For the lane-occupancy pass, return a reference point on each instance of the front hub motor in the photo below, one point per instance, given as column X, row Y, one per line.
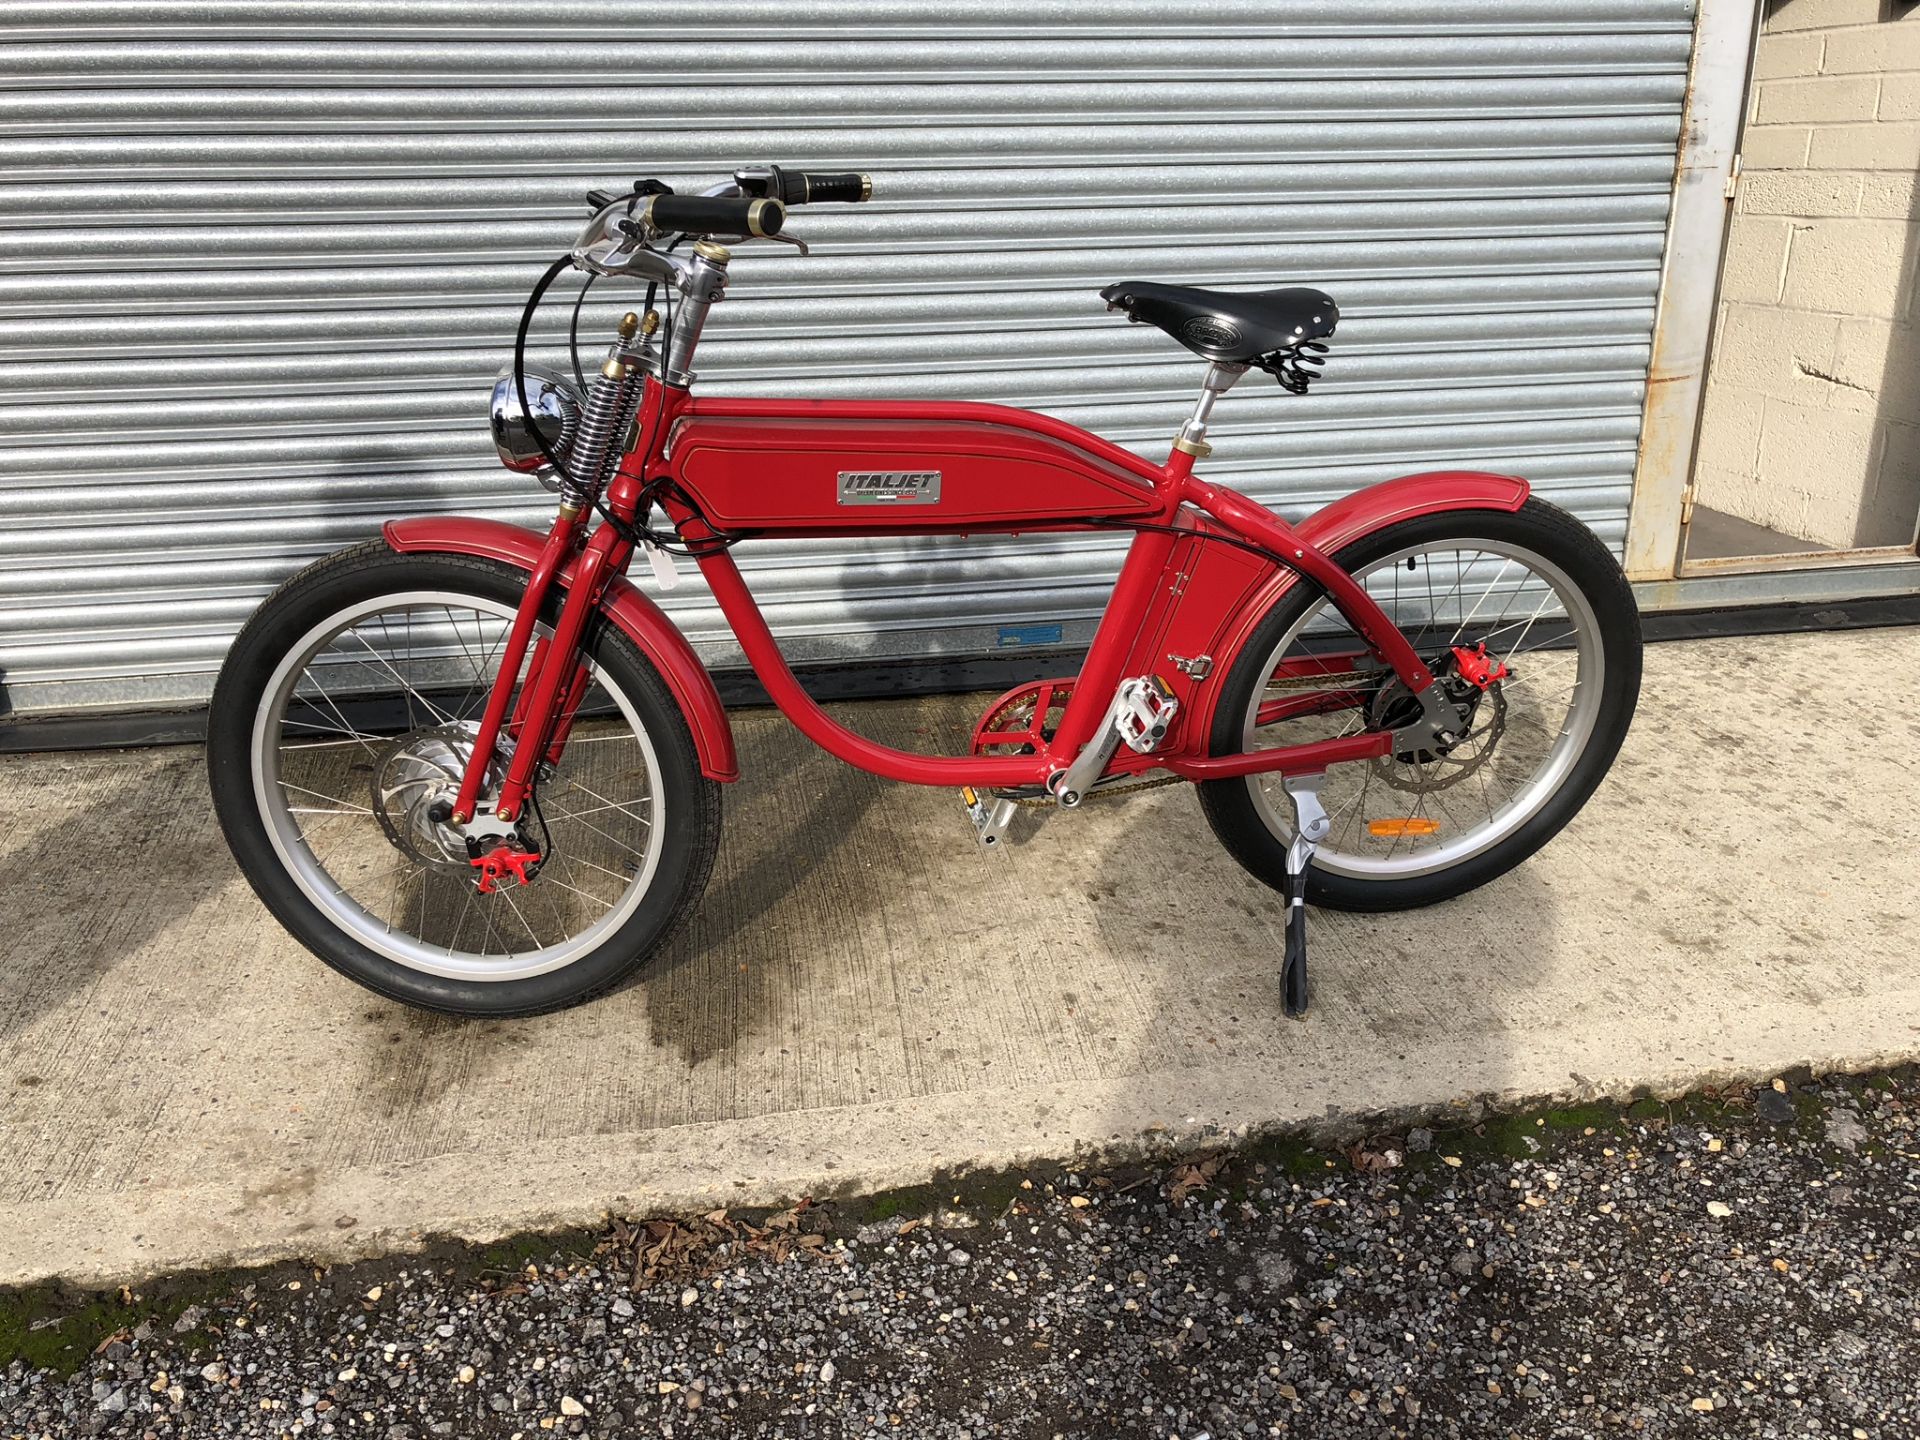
column 416, row 779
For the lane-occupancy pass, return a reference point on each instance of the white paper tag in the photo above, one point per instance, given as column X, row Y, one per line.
column 665, row 572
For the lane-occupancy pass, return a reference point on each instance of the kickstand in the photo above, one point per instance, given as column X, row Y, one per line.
column 1310, row 826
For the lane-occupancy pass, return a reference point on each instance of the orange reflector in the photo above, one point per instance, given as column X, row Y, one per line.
column 1403, row 826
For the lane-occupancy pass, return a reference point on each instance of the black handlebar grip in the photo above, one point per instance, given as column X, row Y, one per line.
column 714, row 214
column 806, row 187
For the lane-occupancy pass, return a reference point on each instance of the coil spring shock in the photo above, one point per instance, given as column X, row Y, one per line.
column 603, row 420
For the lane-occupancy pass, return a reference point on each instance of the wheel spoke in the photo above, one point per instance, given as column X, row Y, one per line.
column 1517, row 748
column 345, row 729
column 1460, row 629
column 603, row 904
column 349, row 808
column 347, row 803
column 505, row 892
column 605, row 804
column 440, row 716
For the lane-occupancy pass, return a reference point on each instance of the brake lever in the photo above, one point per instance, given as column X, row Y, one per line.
column 793, row 240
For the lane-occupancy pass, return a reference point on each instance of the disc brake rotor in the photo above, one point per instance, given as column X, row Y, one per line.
column 409, row 775
column 1420, row 771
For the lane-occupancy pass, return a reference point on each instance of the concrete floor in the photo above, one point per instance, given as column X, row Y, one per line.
column 866, row 999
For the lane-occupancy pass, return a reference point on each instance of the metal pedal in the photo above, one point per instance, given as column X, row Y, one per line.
column 1146, row 709
column 1142, row 709
column 990, row 815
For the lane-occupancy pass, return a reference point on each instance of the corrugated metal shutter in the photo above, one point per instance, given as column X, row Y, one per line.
column 258, row 265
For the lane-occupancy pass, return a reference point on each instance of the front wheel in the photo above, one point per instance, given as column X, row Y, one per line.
column 1526, row 617
column 339, row 731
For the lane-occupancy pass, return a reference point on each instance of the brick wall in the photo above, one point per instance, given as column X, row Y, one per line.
column 1811, row 423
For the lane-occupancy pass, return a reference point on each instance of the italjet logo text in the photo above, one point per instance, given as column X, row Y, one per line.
column 889, row 487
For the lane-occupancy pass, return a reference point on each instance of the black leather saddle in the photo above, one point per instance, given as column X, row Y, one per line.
column 1278, row 331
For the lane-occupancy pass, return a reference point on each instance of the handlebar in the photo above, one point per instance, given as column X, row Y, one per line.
column 731, row 212
column 804, row 187
column 619, row 239
column 713, row 214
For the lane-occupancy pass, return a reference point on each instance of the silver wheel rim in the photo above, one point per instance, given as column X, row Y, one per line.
column 1535, row 619
column 530, row 937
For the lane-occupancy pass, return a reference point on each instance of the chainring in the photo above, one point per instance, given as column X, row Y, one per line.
column 1023, row 719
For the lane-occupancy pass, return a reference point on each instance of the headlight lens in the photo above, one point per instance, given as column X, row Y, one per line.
column 556, row 413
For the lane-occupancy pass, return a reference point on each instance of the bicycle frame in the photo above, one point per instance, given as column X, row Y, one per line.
column 1204, row 565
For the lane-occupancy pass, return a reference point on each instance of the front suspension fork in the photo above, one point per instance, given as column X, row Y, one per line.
column 556, row 686
column 556, row 680
column 559, row 544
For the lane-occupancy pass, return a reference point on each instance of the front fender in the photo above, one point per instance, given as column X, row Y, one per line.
column 1351, row 518
column 642, row 621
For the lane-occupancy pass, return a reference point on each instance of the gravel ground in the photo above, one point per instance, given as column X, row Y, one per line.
column 1746, row 1263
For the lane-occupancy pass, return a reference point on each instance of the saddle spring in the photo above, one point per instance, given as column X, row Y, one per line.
column 1289, row 365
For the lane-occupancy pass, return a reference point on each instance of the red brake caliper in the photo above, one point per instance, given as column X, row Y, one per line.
column 1477, row 667
column 500, row 862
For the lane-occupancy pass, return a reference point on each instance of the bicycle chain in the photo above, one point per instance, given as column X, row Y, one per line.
column 1347, row 680
column 1337, row 680
column 1043, row 802
column 1340, row 680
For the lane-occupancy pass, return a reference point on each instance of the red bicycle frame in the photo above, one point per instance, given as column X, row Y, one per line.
column 1204, row 565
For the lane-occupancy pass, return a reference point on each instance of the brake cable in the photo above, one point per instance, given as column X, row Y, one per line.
column 573, row 328
column 636, row 535
column 520, row 364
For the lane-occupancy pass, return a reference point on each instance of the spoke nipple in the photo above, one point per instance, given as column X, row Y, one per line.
column 461, row 817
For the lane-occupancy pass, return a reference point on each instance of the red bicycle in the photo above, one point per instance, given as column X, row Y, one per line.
column 477, row 770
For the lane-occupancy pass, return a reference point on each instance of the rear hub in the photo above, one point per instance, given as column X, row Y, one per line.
column 1469, row 679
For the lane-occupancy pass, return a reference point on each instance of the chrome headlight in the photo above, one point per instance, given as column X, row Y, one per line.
column 556, row 414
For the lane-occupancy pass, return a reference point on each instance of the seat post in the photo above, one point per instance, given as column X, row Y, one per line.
column 1192, row 439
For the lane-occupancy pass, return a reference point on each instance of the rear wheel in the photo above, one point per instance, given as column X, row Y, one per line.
column 339, row 732
column 1546, row 601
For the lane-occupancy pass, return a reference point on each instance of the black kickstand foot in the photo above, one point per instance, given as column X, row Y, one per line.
column 1310, row 828
column 1293, row 976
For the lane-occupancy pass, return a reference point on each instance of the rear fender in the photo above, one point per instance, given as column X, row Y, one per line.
column 642, row 621
column 1350, row 518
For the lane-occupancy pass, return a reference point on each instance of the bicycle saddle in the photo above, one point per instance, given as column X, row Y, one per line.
column 1267, row 328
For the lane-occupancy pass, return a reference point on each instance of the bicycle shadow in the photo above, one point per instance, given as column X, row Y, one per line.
column 73, row 924
column 785, row 824
column 1397, row 999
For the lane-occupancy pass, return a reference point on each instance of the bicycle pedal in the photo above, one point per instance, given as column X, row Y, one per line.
column 1146, row 710
column 990, row 815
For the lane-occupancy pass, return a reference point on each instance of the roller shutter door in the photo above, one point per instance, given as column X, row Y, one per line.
column 258, row 266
